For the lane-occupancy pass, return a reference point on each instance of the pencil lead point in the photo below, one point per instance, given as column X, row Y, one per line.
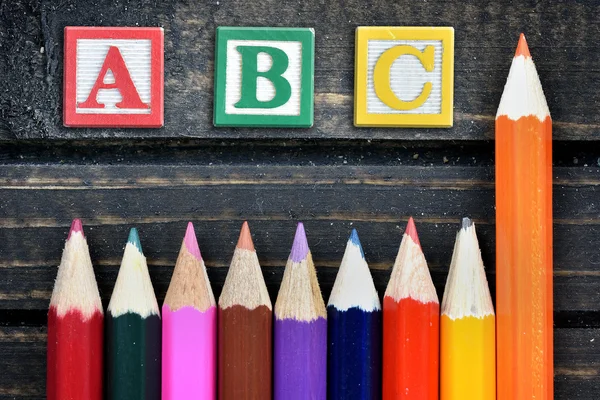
column 356, row 241
column 191, row 243
column 411, row 231
column 467, row 223
column 76, row 226
column 300, row 246
column 134, row 239
column 245, row 240
column 522, row 48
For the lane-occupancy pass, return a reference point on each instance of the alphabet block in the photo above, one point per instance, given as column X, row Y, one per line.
column 113, row 77
column 404, row 77
column 264, row 77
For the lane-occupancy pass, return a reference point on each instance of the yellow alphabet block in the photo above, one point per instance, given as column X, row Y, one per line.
column 404, row 77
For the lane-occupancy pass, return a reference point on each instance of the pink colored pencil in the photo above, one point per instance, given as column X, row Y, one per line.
column 189, row 328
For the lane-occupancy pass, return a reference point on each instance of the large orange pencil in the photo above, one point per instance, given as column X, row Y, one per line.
column 411, row 326
column 524, row 235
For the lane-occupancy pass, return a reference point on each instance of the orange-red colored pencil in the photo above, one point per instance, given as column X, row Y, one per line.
column 411, row 326
column 524, row 235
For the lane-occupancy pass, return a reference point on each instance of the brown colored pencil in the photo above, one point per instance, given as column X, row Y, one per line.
column 245, row 327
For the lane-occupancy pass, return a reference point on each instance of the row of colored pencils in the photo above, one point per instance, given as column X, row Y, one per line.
column 318, row 352
column 351, row 349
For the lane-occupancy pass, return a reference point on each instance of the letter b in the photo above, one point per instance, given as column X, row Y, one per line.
column 250, row 75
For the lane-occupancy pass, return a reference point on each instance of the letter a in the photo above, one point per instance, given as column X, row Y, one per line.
column 129, row 94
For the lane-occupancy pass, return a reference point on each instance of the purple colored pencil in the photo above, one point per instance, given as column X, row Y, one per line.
column 300, row 354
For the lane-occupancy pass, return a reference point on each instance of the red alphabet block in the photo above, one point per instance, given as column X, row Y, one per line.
column 113, row 77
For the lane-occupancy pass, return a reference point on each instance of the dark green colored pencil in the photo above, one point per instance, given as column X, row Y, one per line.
column 133, row 331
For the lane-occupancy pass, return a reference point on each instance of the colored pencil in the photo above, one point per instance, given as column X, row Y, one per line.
column 411, row 325
column 468, row 333
column 524, row 235
column 300, row 329
column 354, row 330
column 133, row 330
column 189, row 328
column 75, row 322
column 245, row 327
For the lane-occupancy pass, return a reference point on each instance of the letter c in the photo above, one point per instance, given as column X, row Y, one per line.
column 381, row 76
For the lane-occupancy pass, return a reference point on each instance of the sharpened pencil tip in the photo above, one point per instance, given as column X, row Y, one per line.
column 300, row 246
column 134, row 239
column 467, row 223
column 356, row 241
column 522, row 48
column 411, row 231
column 76, row 226
column 245, row 240
column 190, row 241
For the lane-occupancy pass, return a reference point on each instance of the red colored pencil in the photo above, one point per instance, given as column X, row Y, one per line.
column 75, row 324
column 411, row 315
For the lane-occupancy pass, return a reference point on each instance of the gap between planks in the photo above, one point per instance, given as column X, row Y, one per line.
column 18, row 223
column 332, row 264
column 94, row 177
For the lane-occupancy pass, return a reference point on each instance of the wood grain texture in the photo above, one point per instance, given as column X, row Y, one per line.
column 158, row 179
column 23, row 362
column 566, row 55
column 331, row 200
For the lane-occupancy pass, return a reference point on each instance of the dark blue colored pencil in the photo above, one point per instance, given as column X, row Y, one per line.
column 354, row 330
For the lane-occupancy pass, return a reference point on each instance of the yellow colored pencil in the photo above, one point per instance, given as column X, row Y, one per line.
column 468, row 326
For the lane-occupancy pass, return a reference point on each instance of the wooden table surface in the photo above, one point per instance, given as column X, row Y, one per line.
column 333, row 176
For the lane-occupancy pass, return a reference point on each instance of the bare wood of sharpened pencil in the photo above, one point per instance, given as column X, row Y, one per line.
column 189, row 285
column 245, row 285
column 292, row 301
column 467, row 293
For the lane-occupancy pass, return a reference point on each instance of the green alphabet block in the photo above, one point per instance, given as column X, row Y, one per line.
column 264, row 77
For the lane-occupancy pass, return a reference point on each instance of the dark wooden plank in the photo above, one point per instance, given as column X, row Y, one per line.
column 577, row 363
column 148, row 175
column 558, row 32
column 111, row 197
column 197, row 172
column 575, row 245
column 38, row 202
column 23, row 363
column 23, row 360
column 296, row 152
